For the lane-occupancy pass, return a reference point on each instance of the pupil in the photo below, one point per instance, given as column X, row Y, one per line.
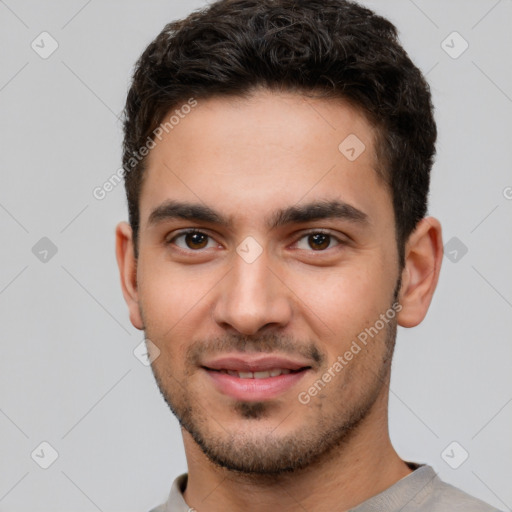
column 321, row 241
column 195, row 240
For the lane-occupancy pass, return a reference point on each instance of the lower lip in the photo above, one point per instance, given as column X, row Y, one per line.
column 254, row 389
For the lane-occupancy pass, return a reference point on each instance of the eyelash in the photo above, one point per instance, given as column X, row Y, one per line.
column 312, row 232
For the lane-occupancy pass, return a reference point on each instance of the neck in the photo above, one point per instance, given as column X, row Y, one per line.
column 363, row 466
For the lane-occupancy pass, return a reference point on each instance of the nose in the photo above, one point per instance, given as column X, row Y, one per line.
column 252, row 297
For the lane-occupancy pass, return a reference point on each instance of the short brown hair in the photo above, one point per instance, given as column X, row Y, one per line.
column 333, row 47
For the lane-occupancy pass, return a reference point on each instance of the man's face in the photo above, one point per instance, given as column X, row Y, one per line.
column 268, row 292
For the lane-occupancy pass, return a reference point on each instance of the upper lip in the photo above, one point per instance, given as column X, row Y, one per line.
column 254, row 363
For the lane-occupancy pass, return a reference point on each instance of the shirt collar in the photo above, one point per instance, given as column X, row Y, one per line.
column 176, row 502
column 410, row 487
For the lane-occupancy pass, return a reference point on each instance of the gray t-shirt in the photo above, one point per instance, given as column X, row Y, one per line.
column 419, row 491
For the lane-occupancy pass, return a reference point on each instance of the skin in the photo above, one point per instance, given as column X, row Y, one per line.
column 246, row 158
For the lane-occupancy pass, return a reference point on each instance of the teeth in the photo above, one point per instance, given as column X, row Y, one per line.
column 275, row 372
column 261, row 375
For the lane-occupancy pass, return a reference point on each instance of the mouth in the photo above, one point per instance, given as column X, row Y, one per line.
column 262, row 374
column 255, row 378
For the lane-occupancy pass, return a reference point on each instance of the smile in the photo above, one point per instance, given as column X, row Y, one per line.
column 275, row 372
column 257, row 385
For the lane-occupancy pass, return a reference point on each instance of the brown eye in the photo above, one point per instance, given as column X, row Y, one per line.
column 192, row 240
column 196, row 240
column 318, row 241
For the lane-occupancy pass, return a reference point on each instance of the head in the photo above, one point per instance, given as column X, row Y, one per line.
column 296, row 139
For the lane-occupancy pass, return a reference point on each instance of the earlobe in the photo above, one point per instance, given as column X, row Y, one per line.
column 423, row 258
column 128, row 272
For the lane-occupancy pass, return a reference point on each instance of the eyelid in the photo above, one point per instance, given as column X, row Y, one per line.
column 323, row 231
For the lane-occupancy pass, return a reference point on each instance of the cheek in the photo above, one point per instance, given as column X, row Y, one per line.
column 168, row 294
column 346, row 297
column 175, row 306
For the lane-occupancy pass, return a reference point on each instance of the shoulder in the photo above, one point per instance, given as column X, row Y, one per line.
column 446, row 497
column 423, row 491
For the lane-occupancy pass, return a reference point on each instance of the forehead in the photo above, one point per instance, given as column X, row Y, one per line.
column 248, row 157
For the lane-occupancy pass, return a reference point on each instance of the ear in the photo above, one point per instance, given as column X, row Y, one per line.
column 128, row 272
column 423, row 257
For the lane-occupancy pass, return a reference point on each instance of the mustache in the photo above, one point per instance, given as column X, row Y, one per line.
column 266, row 343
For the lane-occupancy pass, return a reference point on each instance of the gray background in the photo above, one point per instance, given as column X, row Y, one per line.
column 68, row 375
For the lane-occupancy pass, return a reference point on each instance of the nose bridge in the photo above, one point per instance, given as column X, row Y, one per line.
column 252, row 296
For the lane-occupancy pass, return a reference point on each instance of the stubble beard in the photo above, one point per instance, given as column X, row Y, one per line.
column 270, row 453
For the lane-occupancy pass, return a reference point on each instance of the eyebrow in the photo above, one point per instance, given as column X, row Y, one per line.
column 317, row 210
